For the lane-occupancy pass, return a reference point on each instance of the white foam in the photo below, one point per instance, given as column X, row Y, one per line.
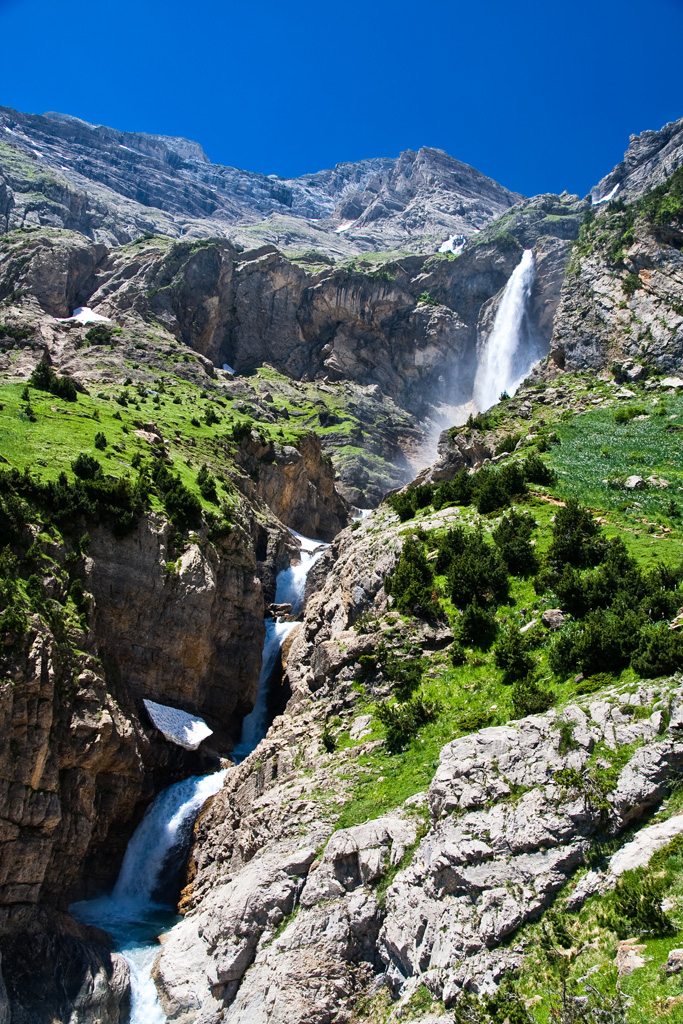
column 291, row 589
column 130, row 914
column 178, row 726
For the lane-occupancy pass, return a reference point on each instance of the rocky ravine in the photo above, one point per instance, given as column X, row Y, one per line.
column 290, row 920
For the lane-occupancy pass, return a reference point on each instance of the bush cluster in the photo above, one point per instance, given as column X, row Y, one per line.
column 44, row 378
column 488, row 489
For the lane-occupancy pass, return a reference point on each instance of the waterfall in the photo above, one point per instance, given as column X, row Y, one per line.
column 133, row 914
column 510, row 350
column 291, row 589
column 136, row 912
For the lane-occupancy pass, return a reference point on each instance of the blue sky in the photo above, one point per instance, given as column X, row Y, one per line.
column 540, row 96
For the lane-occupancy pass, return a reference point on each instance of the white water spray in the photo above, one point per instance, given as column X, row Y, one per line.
column 131, row 914
column 508, row 354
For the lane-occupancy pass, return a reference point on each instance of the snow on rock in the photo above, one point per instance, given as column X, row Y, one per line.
column 605, row 199
column 84, row 315
column 454, row 244
column 178, row 726
column 344, row 226
column 228, row 368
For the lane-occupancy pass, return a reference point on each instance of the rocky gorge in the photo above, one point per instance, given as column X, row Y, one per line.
column 428, row 807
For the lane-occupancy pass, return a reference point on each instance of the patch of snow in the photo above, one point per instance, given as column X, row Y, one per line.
column 38, row 154
column 84, row 315
column 344, row 226
column 121, row 146
column 454, row 244
column 177, row 726
column 8, row 129
column 228, row 368
column 605, row 199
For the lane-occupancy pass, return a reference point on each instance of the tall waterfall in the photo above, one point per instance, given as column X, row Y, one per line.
column 136, row 912
column 510, row 350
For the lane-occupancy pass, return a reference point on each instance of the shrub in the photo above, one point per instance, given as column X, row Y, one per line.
column 603, row 642
column 477, row 573
column 211, row 417
column 508, row 443
column 100, row 440
column 241, row 429
column 478, row 625
column 511, row 654
column 100, row 334
column 576, row 537
column 403, row 721
column 512, row 537
column 457, row 491
column 44, row 378
column 659, row 651
column 406, row 675
column 412, row 582
column 86, row 466
column 635, row 905
column 594, row 683
column 535, row 469
column 626, row 413
column 630, row 284
column 207, row 485
column 528, row 698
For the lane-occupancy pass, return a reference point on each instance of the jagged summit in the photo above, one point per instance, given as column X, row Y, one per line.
column 649, row 160
column 113, row 186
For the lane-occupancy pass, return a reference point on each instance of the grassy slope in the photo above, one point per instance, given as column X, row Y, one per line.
column 592, row 448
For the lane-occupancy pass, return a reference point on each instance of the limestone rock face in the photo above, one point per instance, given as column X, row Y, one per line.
column 94, row 983
column 627, row 305
column 297, row 484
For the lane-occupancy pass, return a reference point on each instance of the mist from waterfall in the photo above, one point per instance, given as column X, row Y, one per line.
column 510, row 350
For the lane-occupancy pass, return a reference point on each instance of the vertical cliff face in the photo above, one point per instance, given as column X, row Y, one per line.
column 184, row 630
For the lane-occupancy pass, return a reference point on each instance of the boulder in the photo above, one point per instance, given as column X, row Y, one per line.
column 674, row 963
column 553, row 618
column 635, row 483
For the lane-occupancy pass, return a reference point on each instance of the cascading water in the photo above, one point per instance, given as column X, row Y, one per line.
column 291, row 589
column 511, row 349
column 137, row 912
